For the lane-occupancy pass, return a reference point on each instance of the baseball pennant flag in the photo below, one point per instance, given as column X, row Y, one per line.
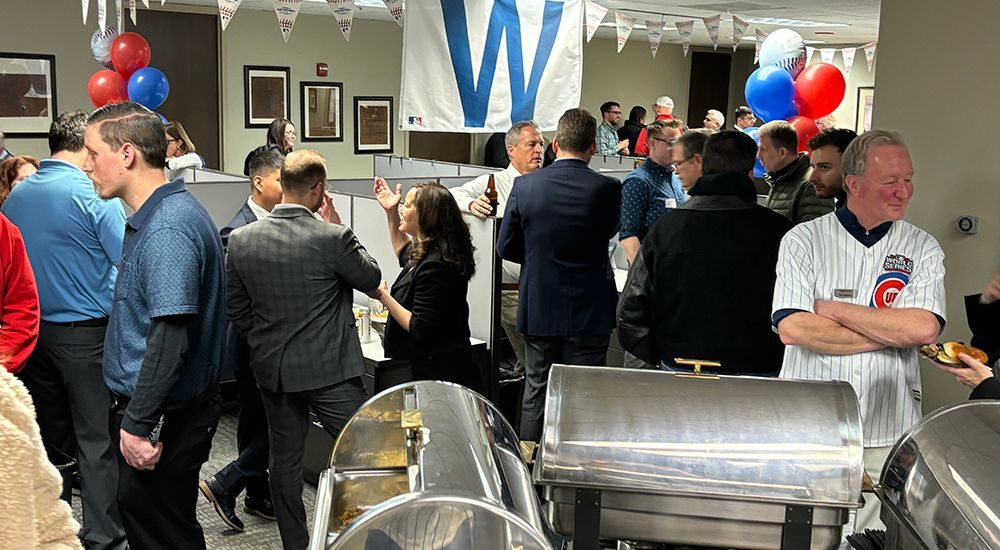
column 761, row 35
column 458, row 77
column 712, row 25
column 826, row 54
column 227, row 10
column 145, row 3
column 739, row 29
column 287, row 12
column 120, row 14
column 343, row 12
column 102, row 15
column 654, row 29
column 848, row 54
column 623, row 24
column 809, row 53
column 131, row 11
column 396, row 9
column 595, row 16
column 162, row 2
column 685, row 29
column 870, row 54
column 86, row 8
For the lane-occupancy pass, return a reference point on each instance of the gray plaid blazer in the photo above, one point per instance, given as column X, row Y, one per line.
column 289, row 290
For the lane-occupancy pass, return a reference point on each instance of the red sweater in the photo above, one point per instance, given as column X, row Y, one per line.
column 641, row 145
column 18, row 299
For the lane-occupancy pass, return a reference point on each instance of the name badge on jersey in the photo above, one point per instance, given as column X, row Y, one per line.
column 671, row 203
column 844, row 293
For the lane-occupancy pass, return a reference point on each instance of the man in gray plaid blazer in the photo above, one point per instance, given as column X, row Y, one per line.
column 289, row 289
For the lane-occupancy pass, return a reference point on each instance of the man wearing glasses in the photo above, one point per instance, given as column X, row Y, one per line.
column 650, row 189
column 607, row 136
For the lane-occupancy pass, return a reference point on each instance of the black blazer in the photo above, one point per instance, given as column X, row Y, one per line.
column 434, row 292
column 984, row 322
column 557, row 225
column 237, row 356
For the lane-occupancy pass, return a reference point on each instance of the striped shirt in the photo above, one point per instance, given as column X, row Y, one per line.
column 822, row 260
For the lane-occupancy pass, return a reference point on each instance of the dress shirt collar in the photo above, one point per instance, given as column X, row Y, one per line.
column 257, row 209
column 285, row 210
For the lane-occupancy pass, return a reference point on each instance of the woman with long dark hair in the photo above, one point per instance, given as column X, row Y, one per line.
column 281, row 137
column 428, row 312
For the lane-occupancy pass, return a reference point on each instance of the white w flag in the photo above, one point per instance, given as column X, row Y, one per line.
column 490, row 64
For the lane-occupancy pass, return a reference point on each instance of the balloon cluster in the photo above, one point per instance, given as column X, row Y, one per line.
column 784, row 88
column 128, row 74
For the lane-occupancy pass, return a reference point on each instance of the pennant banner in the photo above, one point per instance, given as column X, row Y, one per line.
column 685, row 29
column 287, row 12
column 870, row 54
column 848, row 54
column 120, row 14
column 712, row 25
column 761, row 35
column 739, row 29
column 102, row 15
column 595, row 16
column 826, row 54
column 86, row 8
column 455, row 80
column 343, row 12
column 131, row 11
column 227, row 10
column 654, row 29
column 623, row 24
column 145, row 3
column 809, row 53
column 396, row 9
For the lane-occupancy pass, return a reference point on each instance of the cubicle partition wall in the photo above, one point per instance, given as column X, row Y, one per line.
column 221, row 194
column 613, row 163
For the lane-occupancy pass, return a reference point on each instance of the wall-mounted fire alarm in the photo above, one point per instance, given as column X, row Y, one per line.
column 322, row 69
column 968, row 224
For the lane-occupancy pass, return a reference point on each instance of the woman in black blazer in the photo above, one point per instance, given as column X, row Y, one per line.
column 428, row 313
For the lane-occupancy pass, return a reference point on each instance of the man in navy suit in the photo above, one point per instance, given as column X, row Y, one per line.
column 249, row 470
column 557, row 225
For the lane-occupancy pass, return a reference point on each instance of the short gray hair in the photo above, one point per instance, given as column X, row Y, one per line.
column 716, row 116
column 514, row 134
column 854, row 158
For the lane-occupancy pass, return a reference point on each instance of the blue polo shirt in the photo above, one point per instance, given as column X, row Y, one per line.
column 647, row 193
column 172, row 265
column 73, row 239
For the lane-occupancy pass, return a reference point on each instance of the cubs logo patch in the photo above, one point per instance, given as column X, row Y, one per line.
column 887, row 287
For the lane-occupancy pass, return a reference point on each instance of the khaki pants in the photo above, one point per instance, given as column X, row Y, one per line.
column 508, row 320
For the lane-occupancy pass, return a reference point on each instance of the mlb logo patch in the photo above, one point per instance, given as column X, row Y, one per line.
column 415, row 120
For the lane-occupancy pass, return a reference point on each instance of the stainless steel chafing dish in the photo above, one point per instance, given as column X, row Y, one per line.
column 425, row 466
column 939, row 487
column 734, row 462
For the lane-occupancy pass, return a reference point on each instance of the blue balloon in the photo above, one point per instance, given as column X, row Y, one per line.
column 758, row 168
column 752, row 132
column 148, row 87
column 769, row 91
column 163, row 119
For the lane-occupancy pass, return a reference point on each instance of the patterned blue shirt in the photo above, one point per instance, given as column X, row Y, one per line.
column 607, row 140
column 648, row 192
column 172, row 265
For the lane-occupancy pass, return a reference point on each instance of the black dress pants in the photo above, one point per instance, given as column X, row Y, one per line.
column 158, row 506
column 249, row 470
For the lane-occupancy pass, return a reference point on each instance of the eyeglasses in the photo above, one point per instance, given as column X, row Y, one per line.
column 615, row 112
column 173, row 140
column 669, row 142
column 676, row 165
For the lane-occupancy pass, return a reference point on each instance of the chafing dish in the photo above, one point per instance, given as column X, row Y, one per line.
column 736, row 462
column 939, row 487
column 425, row 466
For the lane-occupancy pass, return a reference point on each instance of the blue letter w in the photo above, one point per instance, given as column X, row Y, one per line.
column 503, row 19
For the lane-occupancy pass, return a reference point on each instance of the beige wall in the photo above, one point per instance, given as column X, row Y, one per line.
column 939, row 89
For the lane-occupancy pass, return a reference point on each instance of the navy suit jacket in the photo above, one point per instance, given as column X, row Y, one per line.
column 557, row 225
column 237, row 356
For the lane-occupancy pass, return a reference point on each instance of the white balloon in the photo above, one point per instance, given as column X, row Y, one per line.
column 100, row 45
column 784, row 48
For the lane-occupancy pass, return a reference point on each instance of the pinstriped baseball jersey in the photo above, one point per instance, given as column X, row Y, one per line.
column 821, row 260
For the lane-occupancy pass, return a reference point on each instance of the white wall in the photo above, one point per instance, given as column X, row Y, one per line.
column 939, row 89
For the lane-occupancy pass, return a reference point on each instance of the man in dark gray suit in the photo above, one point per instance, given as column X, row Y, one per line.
column 289, row 291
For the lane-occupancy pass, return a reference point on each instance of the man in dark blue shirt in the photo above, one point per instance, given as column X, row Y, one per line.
column 166, row 332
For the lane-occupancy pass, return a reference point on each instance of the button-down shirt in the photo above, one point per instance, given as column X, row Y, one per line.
column 172, row 265
column 73, row 238
column 607, row 140
column 648, row 192
column 504, row 182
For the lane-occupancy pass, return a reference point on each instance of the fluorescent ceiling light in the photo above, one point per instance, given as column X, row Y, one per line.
column 754, row 39
column 636, row 26
column 790, row 22
column 367, row 3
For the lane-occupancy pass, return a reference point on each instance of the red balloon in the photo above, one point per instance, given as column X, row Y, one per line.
column 819, row 89
column 806, row 128
column 107, row 87
column 129, row 53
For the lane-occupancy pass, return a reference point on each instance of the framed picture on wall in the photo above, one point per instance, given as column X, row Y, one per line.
column 267, row 95
column 322, row 111
column 27, row 94
column 372, row 124
column 864, row 113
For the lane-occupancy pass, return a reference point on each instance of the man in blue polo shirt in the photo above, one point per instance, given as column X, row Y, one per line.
column 74, row 241
column 166, row 333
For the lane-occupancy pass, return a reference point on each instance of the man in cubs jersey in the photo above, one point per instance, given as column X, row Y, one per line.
column 858, row 291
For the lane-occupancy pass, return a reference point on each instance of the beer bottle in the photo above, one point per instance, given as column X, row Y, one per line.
column 491, row 195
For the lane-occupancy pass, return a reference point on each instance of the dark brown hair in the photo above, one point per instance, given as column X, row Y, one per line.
column 8, row 173
column 577, row 131
column 442, row 228
column 276, row 134
column 129, row 122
